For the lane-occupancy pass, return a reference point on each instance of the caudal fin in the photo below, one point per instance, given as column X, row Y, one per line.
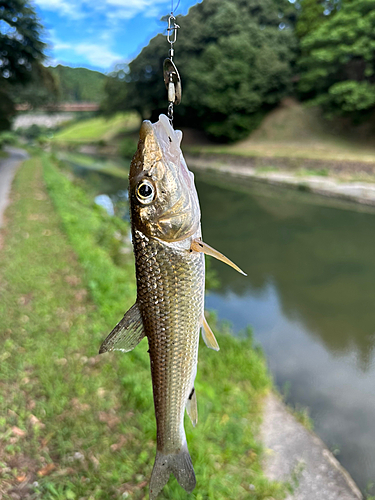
column 178, row 464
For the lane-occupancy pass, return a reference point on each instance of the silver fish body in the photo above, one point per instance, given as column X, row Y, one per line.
column 170, row 278
column 170, row 284
column 169, row 311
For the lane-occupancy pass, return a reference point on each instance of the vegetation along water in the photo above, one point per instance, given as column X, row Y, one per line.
column 308, row 297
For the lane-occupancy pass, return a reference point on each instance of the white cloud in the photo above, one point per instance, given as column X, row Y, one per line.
column 101, row 21
column 64, row 7
column 57, row 45
column 136, row 5
column 123, row 9
column 127, row 9
column 97, row 54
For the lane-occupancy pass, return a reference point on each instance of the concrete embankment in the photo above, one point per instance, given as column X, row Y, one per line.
column 327, row 185
column 295, row 453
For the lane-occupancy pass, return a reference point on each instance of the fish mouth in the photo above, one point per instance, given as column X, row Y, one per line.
column 170, row 143
column 146, row 130
column 168, row 138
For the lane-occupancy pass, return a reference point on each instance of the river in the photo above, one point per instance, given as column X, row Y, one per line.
column 309, row 297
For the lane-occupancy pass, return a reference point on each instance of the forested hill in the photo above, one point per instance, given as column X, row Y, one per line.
column 78, row 84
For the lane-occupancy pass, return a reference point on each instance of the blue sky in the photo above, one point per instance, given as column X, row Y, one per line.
column 98, row 34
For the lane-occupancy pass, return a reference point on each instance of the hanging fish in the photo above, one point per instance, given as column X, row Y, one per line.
column 170, row 273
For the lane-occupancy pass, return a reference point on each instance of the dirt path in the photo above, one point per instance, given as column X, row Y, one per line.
column 8, row 167
column 293, row 451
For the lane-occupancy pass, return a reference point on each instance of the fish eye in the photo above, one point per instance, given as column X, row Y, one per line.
column 145, row 192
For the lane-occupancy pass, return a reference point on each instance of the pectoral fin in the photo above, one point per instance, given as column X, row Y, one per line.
column 191, row 407
column 208, row 336
column 126, row 334
column 198, row 246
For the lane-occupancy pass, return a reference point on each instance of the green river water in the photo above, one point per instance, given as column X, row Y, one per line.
column 309, row 297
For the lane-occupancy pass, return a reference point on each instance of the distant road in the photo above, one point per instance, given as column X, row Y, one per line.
column 8, row 167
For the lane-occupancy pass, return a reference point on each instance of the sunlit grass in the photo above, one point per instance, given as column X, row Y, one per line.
column 97, row 129
column 77, row 425
column 329, row 151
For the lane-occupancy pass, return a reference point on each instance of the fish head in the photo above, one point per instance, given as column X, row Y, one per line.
column 163, row 199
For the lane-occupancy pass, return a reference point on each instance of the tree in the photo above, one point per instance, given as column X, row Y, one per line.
column 115, row 89
column 78, row 84
column 21, row 50
column 235, row 59
column 313, row 13
column 41, row 89
column 338, row 61
column 310, row 18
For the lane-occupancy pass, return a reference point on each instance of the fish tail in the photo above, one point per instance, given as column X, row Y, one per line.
column 178, row 464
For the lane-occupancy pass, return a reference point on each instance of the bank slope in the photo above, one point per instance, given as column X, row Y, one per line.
column 76, row 425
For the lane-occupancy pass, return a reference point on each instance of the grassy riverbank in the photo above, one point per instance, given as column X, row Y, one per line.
column 298, row 133
column 75, row 425
column 96, row 130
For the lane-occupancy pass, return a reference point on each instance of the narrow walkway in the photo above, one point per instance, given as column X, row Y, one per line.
column 8, row 167
column 293, row 451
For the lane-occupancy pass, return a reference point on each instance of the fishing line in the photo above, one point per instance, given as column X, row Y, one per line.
column 172, row 12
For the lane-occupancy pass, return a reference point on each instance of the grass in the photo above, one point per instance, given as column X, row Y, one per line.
column 294, row 131
column 96, row 130
column 329, row 150
column 104, row 166
column 320, row 172
column 300, row 172
column 302, row 415
column 75, row 425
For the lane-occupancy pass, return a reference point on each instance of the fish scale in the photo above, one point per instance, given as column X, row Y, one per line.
column 172, row 315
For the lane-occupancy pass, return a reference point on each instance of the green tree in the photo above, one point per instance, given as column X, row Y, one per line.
column 338, row 61
column 310, row 18
column 41, row 89
column 21, row 50
column 235, row 59
column 313, row 13
column 115, row 91
column 78, row 84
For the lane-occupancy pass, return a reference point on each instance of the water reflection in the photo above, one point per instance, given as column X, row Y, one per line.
column 320, row 260
column 310, row 298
